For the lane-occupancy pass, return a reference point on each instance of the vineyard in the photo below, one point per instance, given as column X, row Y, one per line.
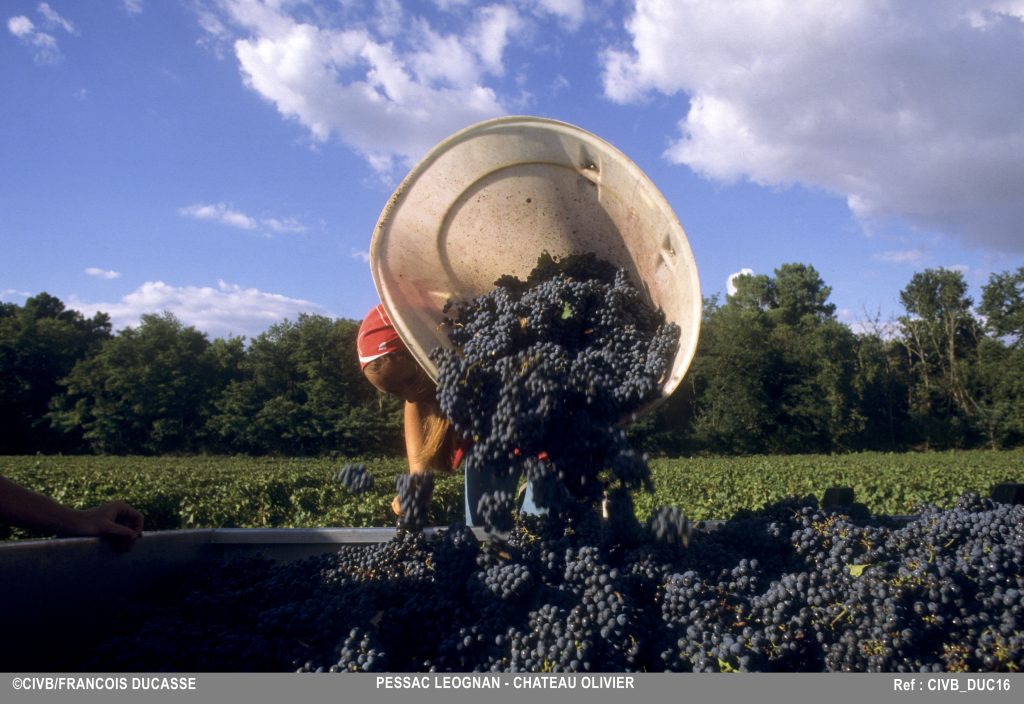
column 194, row 492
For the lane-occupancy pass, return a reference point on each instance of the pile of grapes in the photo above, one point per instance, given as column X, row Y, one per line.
column 540, row 377
column 791, row 587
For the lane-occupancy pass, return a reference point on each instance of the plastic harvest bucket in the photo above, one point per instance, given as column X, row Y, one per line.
column 491, row 198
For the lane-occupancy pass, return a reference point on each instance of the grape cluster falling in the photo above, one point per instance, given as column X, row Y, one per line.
column 542, row 372
column 355, row 477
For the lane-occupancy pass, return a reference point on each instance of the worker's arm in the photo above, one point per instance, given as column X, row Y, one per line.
column 27, row 509
column 416, row 413
column 413, row 419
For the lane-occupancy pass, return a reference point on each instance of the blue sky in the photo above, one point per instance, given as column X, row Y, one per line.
column 227, row 160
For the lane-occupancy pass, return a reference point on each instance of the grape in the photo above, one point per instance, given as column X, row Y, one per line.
column 414, row 493
column 496, row 510
column 668, row 525
column 355, row 478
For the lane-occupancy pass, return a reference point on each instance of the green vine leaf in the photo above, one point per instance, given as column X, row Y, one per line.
column 857, row 570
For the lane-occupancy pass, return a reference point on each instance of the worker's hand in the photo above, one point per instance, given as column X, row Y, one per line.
column 396, row 506
column 115, row 520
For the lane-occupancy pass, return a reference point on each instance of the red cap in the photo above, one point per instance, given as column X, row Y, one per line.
column 377, row 336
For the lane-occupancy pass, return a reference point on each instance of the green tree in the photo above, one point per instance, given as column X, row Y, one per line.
column 774, row 370
column 1002, row 305
column 733, row 411
column 147, row 390
column 40, row 343
column 301, row 392
column 1000, row 368
column 940, row 336
column 999, row 413
column 880, row 387
column 817, row 408
column 801, row 296
column 754, row 292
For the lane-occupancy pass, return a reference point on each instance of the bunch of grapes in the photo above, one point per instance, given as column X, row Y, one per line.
column 414, row 494
column 497, row 510
column 542, row 372
column 668, row 525
column 355, row 477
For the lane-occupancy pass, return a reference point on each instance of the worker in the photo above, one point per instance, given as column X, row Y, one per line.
column 431, row 443
column 24, row 508
column 430, row 440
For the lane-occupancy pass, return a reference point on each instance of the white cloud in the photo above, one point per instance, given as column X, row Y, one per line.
column 905, row 256
column 572, row 12
column 45, row 45
column 461, row 60
column 904, row 109
column 560, row 83
column 9, row 293
column 102, row 273
column 730, row 283
column 361, row 255
column 225, row 310
column 389, row 19
column 390, row 95
column 132, row 7
column 445, row 59
column 212, row 25
column 221, row 213
column 216, row 36
column 226, row 214
column 489, row 37
column 448, row 5
column 286, row 226
column 20, row 26
column 55, row 20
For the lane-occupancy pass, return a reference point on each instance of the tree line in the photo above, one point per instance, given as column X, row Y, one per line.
column 70, row 385
column 775, row 372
